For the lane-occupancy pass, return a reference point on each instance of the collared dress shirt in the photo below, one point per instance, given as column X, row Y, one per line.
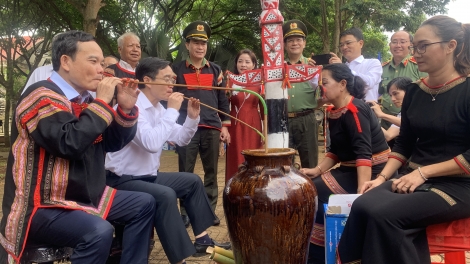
column 370, row 70
column 155, row 126
column 39, row 74
column 67, row 89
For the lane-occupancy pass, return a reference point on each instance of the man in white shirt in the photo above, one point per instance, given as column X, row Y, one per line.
column 370, row 70
column 39, row 74
column 135, row 167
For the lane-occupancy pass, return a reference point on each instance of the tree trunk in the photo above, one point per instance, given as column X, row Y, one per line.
column 337, row 29
column 6, row 123
column 325, row 33
column 90, row 16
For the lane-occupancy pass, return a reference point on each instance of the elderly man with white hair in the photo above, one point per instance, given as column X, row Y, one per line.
column 130, row 53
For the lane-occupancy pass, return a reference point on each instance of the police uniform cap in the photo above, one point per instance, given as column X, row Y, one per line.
column 294, row 27
column 198, row 30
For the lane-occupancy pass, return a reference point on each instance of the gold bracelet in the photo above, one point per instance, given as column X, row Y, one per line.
column 382, row 175
column 318, row 166
column 420, row 173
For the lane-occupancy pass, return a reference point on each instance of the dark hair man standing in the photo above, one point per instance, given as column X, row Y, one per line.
column 351, row 42
column 198, row 71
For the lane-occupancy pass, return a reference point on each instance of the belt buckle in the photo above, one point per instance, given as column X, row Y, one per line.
column 290, row 115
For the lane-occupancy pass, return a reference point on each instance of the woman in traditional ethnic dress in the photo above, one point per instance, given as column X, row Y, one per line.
column 357, row 144
column 388, row 223
column 396, row 88
column 244, row 106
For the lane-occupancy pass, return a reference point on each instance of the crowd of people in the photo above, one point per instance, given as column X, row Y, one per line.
column 86, row 149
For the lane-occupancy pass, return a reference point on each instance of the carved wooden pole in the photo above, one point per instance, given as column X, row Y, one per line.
column 272, row 44
column 275, row 75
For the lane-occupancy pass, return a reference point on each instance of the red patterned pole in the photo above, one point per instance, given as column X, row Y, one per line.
column 272, row 44
column 275, row 74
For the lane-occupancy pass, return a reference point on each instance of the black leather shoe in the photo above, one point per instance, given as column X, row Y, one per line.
column 216, row 221
column 185, row 220
column 201, row 248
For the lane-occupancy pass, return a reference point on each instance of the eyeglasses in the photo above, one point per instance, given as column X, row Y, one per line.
column 421, row 48
column 395, row 43
column 169, row 80
column 346, row 44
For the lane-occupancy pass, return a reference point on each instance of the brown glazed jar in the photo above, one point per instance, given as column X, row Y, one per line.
column 270, row 208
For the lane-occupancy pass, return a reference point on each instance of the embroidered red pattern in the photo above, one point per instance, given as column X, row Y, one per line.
column 77, row 110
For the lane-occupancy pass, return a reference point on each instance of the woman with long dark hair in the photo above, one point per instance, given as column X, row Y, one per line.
column 388, row 223
column 357, row 144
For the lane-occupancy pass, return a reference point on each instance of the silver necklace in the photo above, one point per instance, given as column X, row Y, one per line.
column 434, row 95
column 438, row 91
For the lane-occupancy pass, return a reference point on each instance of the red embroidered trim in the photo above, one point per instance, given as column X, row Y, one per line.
column 397, row 158
column 111, row 199
column 77, row 110
column 461, row 165
column 119, row 109
column 332, row 184
column 351, row 107
column 105, row 105
column 332, row 156
column 441, row 85
column 318, row 235
column 124, row 70
column 45, row 101
column 363, row 162
column 36, row 198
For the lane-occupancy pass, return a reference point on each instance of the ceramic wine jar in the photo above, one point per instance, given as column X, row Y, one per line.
column 269, row 207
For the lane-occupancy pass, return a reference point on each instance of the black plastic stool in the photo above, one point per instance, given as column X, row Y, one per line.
column 38, row 253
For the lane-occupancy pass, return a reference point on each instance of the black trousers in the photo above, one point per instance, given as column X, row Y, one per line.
column 387, row 227
column 341, row 180
column 91, row 236
column 206, row 143
column 303, row 136
column 165, row 189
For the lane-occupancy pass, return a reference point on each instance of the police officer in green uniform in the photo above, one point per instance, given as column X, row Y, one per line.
column 303, row 127
column 402, row 64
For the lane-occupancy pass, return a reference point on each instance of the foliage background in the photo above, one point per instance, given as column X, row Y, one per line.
column 159, row 24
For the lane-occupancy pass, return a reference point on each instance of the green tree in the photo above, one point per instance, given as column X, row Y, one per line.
column 326, row 19
column 19, row 54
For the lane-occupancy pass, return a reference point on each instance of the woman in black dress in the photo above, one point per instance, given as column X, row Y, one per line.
column 357, row 144
column 388, row 223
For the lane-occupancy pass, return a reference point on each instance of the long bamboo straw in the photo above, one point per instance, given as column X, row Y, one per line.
column 222, row 112
column 264, row 135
